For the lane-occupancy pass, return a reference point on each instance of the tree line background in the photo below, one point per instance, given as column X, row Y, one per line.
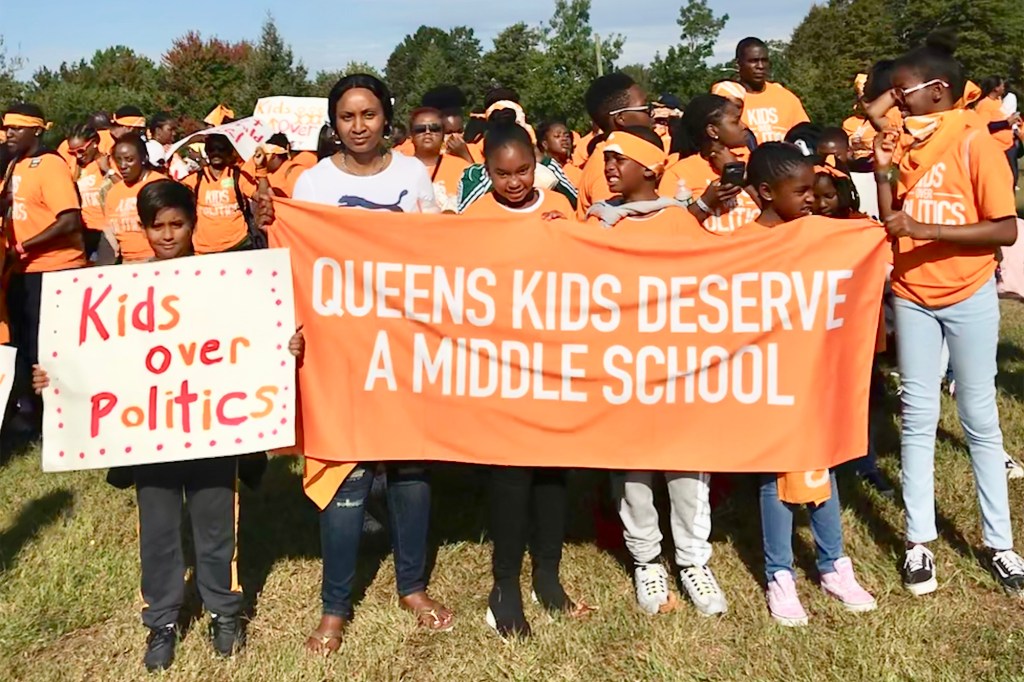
column 550, row 64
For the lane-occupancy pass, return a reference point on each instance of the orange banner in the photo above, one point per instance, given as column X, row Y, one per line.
column 523, row 342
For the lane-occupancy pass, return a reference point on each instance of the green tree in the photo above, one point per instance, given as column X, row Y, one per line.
column 641, row 73
column 271, row 70
column 505, row 63
column 458, row 48
column 684, row 70
column 325, row 80
column 198, row 74
column 568, row 64
column 11, row 89
column 112, row 78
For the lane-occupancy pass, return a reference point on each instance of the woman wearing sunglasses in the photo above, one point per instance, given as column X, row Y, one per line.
column 949, row 211
column 91, row 171
column 426, row 130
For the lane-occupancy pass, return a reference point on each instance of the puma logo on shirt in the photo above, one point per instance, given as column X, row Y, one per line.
column 351, row 201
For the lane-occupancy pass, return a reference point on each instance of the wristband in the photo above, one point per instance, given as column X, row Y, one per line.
column 703, row 206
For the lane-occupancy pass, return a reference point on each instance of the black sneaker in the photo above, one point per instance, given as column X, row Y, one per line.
column 160, row 648
column 919, row 571
column 881, row 486
column 1008, row 568
column 227, row 634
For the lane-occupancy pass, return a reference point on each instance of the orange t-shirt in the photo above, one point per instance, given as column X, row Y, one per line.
column 445, row 177
column 772, row 112
column 406, row 148
column 106, row 145
column 991, row 110
column 593, row 187
column 574, row 174
column 970, row 182
column 696, row 173
column 123, row 218
column 282, row 181
column 221, row 225
column 476, row 150
column 859, row 128
column 673, row 221
column 90, row 180
column 43, row 189
column 306, row 159
column 488, row 207
column 579, row 150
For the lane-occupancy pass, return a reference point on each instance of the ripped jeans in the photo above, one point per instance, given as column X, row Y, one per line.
column 341, row 528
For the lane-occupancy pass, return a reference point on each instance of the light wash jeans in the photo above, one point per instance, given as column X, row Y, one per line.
column 971, row 329
column 777, row 529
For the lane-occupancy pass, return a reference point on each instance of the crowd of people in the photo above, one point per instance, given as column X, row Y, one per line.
column 927, row 153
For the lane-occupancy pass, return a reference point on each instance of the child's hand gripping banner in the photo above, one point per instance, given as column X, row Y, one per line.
column 164, row 361
column 521, row 342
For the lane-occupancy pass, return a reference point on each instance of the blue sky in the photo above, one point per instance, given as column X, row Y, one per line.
column 327, row 35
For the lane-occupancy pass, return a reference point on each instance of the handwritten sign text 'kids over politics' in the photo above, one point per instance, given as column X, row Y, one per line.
column 166, row 361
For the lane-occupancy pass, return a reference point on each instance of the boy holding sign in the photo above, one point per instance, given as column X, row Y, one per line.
column 167, row 211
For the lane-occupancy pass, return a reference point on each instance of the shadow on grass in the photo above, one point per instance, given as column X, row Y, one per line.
column 31, row 520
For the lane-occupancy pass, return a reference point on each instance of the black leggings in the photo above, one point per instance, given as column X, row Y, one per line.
column 527, row 506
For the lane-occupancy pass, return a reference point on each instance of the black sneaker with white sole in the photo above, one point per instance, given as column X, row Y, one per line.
column 1008, row 568
column 919, row 571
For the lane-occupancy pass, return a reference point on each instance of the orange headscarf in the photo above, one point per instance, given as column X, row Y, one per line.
column 638, row 149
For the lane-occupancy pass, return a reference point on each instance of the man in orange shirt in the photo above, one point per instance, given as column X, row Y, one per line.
column 769, row 109
column 222, row 190
column 614, row 102
column 43, row 230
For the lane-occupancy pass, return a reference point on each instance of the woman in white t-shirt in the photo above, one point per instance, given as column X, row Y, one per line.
column 365, row 174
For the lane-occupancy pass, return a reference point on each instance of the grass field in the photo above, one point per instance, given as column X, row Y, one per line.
column 69, row 599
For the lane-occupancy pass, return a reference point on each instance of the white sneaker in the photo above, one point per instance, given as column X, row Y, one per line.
column 703, row 590
column 651, row 587
column 1013, row 468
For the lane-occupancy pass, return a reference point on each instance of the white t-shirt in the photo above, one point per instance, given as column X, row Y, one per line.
column 1010, row 104
column 402, row 187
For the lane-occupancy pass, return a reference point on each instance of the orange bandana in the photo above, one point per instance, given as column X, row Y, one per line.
column 972, row 93
column 217, row 116
column 730, row 90
column 22, row 121
column 830, row 169
column 933, row 135
column 130, row 121
column 632, row 147
column 274, row 149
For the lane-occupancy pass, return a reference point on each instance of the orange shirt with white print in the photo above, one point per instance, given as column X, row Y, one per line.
column 673, row 221
column 90, row 180
column 970, row 182
column 579, row 151
column 772, row 112
column 991, row 110
column 488, row 207
column 42, row 189
column 221, row 224
column 859, row 128
column 696, row 173
column 593, row 186
column 123, row 222
column 446, row 177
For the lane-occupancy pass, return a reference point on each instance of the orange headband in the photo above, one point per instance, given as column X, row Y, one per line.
column 274, row 149
column 25, row 121
column 729, row 90
column 130, row 121
column 632, row 147
column 972, row 93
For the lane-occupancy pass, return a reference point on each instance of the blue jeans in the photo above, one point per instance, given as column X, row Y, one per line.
column 971, row 329
column 777, row 529
column 341, row 527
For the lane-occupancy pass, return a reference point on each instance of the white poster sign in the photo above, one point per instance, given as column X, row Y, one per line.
column 300, row 118
column 168, row 360
column 245, row 134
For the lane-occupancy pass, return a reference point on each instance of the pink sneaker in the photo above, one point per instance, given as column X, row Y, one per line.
column 783, row 601
column 842, row 585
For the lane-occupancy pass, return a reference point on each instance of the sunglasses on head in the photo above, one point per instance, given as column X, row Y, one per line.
column 922, row 86
column 422, row 128
column 646, row 109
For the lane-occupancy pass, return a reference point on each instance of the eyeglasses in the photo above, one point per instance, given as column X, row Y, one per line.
column 81, row 151
column 645, row 109
column 427, row 128
column 922, row 86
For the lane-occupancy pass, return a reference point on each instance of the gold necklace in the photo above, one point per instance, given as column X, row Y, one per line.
column 383, row 160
